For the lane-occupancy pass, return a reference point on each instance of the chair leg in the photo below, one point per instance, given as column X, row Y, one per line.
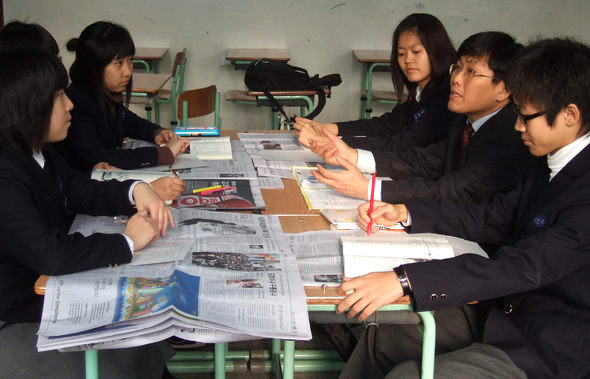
column 91, row 364
column 157, row 113
column 148, row 111
column 220, row 349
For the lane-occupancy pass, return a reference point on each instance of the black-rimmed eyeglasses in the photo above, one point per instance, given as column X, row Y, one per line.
column 525, row 117
column 468, row 73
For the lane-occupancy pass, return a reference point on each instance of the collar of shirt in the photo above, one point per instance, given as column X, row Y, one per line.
column 563, row 156
column 418, row 93
column 39, row 158
column 482, row 120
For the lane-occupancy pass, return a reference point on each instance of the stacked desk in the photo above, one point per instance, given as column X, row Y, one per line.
column 373, row 61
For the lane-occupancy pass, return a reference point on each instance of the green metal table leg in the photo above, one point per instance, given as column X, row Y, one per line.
column 220, row 349
column 275, row 358
column 372, row 67
column 289, row 360
column 363, row 87
column 91, row 364
column 157, row 113
column 428, row 344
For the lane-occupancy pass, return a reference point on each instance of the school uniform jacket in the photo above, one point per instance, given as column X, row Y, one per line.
column 495, row 161
column 408, row 125
column 95, row 136
column 540, row 278
column 36, row 211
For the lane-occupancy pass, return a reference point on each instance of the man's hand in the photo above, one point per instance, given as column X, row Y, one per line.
column 178, row 145
column 147, row 199
column 165, row 136
column 168, row 188
column 308, row 129
column 104, row 166
column 141, row 229
column 383, row 214
column 334, row 148
column 368, row 293
column 351, row 182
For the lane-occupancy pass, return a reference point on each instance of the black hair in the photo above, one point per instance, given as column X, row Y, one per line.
column 97, row 46
column 550, row 74
column 436, row 42
column 30, row 77
column 500, row 49
column 17, row 33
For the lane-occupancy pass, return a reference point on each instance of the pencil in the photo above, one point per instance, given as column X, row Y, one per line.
column 173, row 171
column 370, row 226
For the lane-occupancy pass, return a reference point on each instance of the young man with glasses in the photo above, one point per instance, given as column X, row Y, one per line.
column 534, row 287
column 482, row 154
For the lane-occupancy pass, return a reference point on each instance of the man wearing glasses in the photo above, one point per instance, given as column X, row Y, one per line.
column 482, row 154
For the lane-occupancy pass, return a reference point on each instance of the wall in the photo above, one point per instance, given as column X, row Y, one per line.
column 319, row 34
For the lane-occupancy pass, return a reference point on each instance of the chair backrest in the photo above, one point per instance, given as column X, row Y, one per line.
column 178, row 68
column 199, row 102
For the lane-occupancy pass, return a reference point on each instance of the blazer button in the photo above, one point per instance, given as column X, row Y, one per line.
column 507, row 309
column 443, row 296
column 434, row 297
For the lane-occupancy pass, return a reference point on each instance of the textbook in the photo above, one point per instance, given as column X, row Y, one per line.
column 193, row 131
column 382, row 251
column 211, row 148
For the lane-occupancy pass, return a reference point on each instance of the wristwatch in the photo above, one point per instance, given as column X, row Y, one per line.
column 403, row 280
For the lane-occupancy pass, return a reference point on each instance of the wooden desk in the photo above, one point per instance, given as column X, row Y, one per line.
column 150, row 84
column 241, row 58
column 373, row 60
column 150, row 56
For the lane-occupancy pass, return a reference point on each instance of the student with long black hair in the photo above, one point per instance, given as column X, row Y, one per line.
column 40, row 193
column 421, row 54
column 100, row 74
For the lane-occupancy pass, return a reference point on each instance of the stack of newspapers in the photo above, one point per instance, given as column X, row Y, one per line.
column 245, row 285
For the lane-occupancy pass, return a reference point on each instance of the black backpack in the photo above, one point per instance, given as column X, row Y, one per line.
column 266, row 75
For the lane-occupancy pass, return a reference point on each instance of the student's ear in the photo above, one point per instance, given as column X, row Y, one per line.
column 572, row 115
column 501, row 92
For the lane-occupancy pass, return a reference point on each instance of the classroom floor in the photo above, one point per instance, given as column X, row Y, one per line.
column 319, row 341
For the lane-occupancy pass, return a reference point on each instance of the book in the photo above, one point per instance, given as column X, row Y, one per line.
column 211, row 148
column 193, row 131
column 382, row 251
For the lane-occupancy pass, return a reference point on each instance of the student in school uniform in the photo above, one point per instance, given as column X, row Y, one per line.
column 481, row 155
column 40, row 193
column 100, row 74
column 536, row 284
column 420, row 57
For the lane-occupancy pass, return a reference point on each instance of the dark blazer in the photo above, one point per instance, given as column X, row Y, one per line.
column 408, row 125
column 539, row 278
column 95, row 136
column 36, row 211
column 495, row 161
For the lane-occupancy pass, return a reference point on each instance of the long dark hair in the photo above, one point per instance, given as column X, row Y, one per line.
column 97, row 46
column 17, row 33
column 437, row 43
column 30, row 77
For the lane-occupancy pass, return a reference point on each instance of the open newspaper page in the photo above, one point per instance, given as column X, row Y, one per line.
column 239, row 167
column 385, row 249
column 255, row 294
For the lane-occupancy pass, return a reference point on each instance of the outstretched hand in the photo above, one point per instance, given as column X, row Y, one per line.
column 368, row 293
column 334, row 148
column 350, row 182
column 306, row 129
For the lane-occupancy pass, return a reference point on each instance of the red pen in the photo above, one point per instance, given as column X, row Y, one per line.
column 370, row 226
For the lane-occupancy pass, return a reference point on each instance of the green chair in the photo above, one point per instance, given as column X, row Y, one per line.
column 199, row 102
column 169, row 96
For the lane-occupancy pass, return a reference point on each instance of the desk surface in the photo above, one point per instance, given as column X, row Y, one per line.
column 149, row 83
column 150, row 53
column 373, row 56
column 256, row 54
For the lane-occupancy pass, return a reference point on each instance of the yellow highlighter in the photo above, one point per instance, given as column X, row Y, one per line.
column 197, row 190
